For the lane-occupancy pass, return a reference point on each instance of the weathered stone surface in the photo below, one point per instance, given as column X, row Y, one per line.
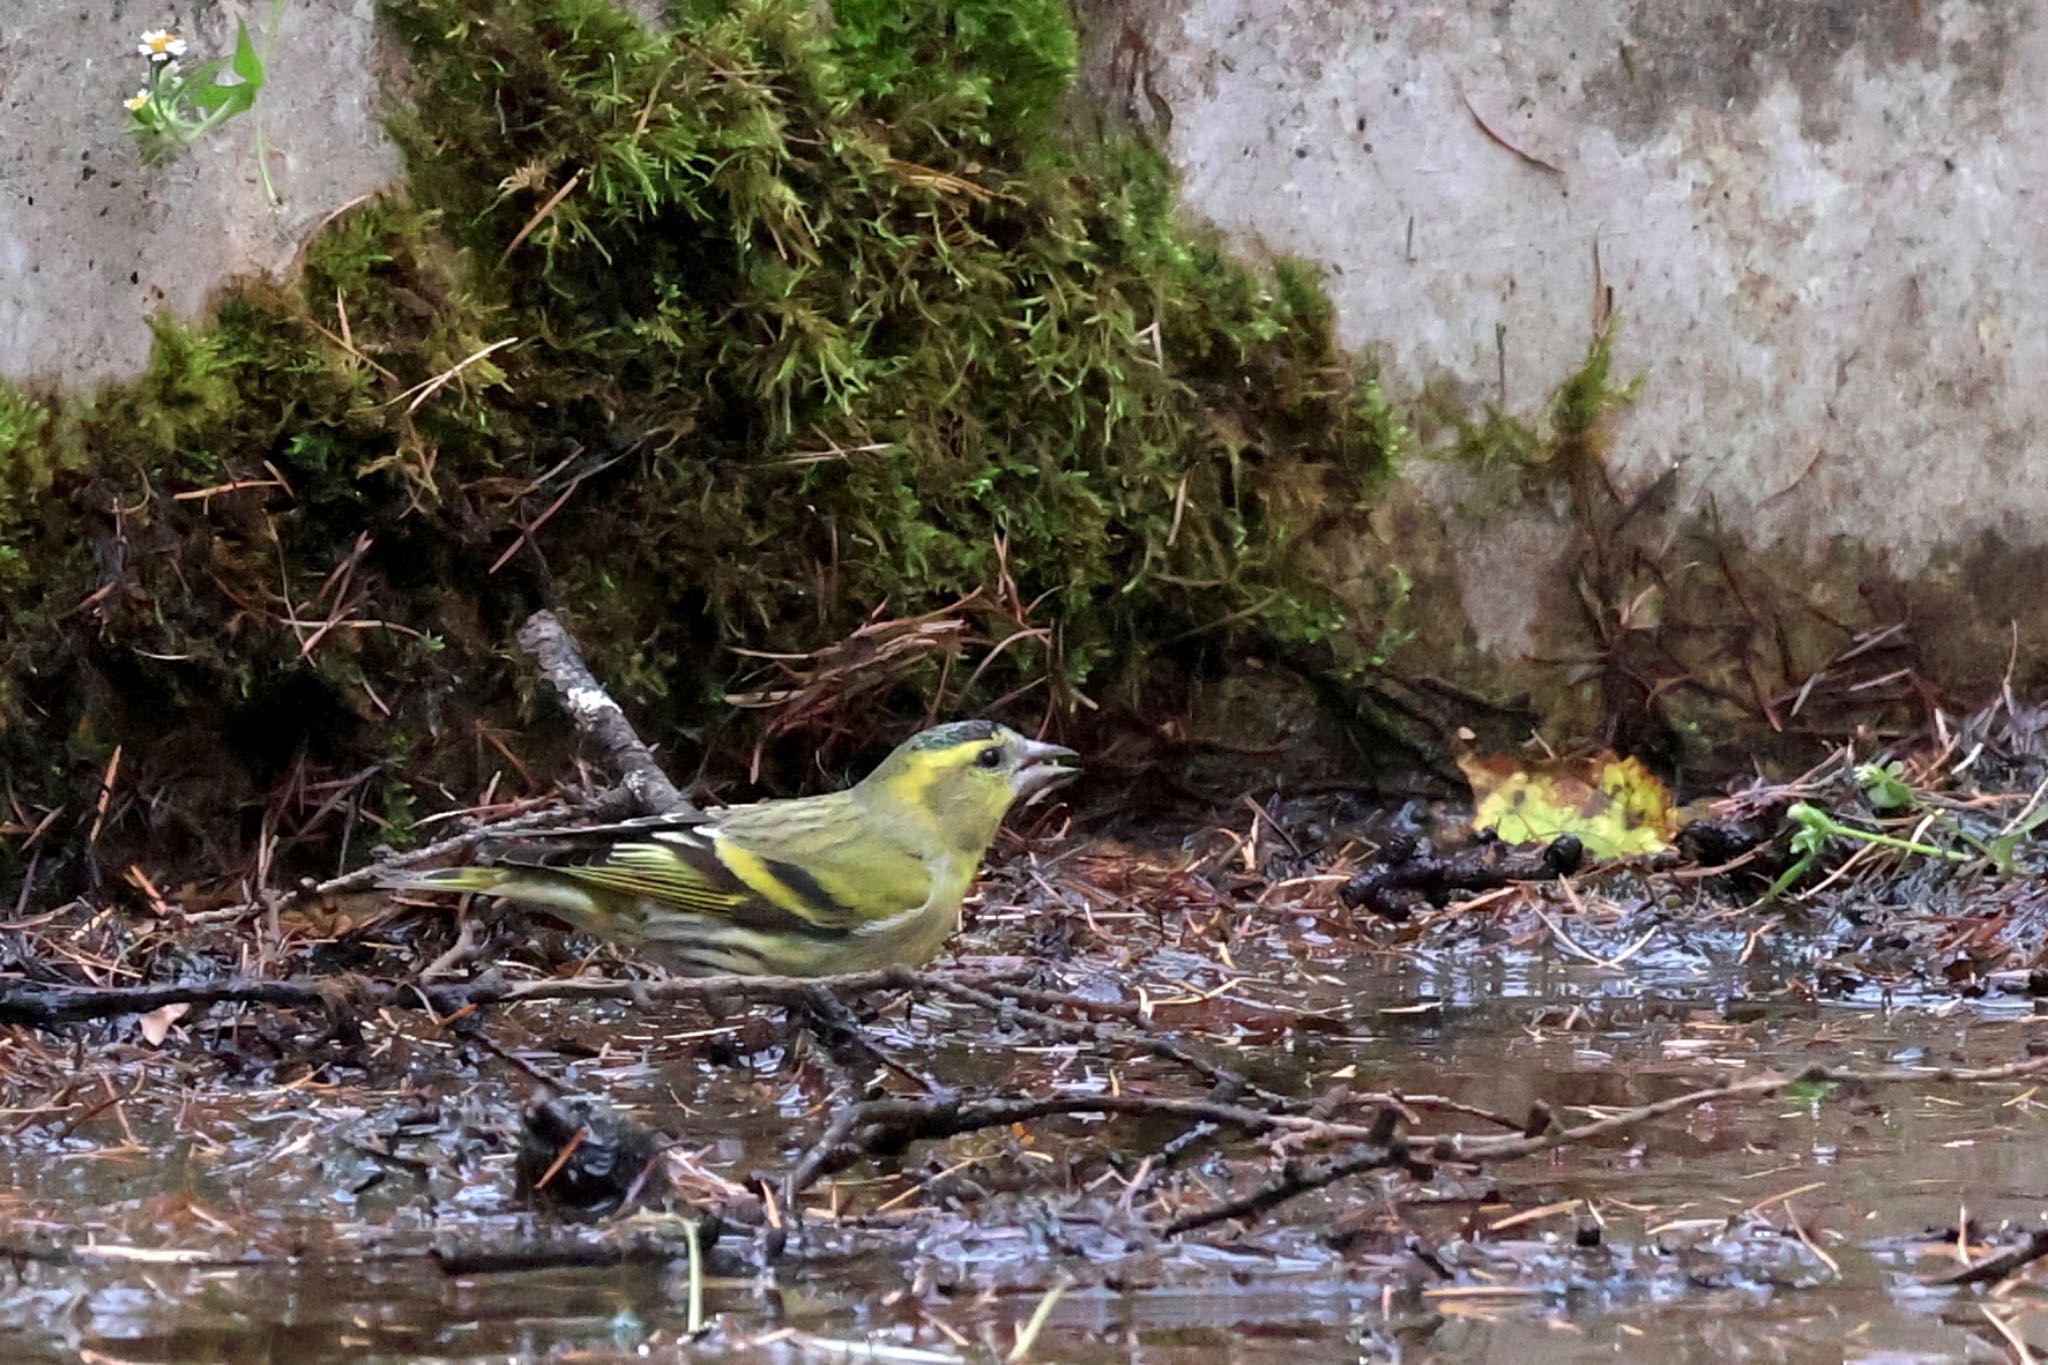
column 1820, row 222
column 93, row 242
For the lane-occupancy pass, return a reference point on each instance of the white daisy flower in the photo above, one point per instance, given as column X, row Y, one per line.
column 135, row 101
column 160, row 45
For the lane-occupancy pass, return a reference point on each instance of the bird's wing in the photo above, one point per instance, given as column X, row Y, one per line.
column 675, row 868
column 808, row 867
column 826, row 859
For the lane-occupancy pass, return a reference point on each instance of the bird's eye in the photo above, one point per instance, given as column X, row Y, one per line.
column 991, row 757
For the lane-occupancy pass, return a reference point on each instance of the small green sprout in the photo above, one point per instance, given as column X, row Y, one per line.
column 1817, row 829
column 1810, row 1092
column 2003, row 851
column 176, row 107
column 1884, row 786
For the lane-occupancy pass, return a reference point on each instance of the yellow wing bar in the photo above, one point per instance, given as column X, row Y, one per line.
column 706, row 877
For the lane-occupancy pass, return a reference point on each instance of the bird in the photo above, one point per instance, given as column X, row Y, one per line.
column 855, row 880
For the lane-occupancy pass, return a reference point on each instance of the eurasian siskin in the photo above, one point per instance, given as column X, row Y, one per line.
column 863, row 878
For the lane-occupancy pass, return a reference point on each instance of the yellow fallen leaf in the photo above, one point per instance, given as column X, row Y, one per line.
column 1616, row 806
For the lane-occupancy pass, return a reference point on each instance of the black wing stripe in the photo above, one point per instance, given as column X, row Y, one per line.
column 809, row 888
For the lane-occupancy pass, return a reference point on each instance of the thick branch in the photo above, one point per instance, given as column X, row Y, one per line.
column 598, row 717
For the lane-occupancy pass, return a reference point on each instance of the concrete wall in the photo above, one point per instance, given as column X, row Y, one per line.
column 1823, row 223
column 93, row 242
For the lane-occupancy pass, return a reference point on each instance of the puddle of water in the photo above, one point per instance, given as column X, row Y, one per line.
column 339, row 1184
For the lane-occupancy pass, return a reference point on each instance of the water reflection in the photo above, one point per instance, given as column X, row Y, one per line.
column 1789, row 1231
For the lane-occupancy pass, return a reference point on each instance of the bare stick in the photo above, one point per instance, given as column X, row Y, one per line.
column 1223, row 1078
column 441, row 849
column 1296, row 1179
column 643, row 787
column 579, row 1250
column 461, row 951
column 884, row 1125
column 598, row 717
column 607, row 806
column 2004, row 1263
column 1493, row 1148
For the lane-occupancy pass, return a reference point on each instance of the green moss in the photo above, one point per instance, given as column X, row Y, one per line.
column 727, row 337
column 1580, row 407
column 787, row 242
column 1006, row 64
column 25, row 471
column 1573, row 432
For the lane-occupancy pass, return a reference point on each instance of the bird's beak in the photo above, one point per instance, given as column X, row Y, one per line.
column 1040, row 769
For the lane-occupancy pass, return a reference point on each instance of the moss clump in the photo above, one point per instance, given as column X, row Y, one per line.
column 877, row 318
column 729, row 336
column 1573, row 434
column 25, row 475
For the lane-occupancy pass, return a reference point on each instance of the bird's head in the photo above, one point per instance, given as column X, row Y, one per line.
column 960, row 779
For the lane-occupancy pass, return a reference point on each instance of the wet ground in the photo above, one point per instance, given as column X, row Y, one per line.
column 248, row 1192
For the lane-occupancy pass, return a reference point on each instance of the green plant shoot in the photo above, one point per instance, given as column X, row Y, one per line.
column 1816, row 828
column 178, row 107
column 1884, row 786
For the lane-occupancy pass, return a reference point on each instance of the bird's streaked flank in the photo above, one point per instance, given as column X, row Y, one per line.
column 869, row 877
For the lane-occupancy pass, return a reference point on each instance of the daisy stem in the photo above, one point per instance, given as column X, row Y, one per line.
column 262, row 141
column 263, row 165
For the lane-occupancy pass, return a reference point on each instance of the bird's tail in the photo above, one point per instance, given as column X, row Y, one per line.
column 478, row 880
column 529, row 885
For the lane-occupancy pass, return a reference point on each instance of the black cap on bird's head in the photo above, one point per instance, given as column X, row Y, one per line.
column 1028, row 767
column 954, row 732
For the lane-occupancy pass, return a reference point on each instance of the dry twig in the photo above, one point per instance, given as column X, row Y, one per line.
column 598, row 717
column 1994, row 1268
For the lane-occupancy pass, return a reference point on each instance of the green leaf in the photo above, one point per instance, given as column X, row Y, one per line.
column 1814, row 828
column 1789, row 878
column 1884, row 786
column 2004, row 850
column 1810, row 1092
column 191, row 80
column 247, row 64
column 208, row 97
column 233, row 99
